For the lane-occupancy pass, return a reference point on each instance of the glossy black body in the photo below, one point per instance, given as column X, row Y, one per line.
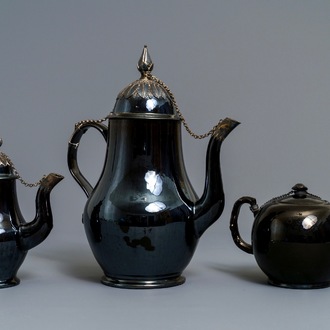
column 128, row 241
column 17, row 236
column 11, row 256
column 143, row 219
column 290, row 239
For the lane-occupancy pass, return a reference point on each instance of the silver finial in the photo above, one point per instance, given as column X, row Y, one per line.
column 145, row 63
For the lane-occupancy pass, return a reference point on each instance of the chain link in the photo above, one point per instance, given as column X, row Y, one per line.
column 289, row 194
column 25, row 183
column 176, row 107
column 87, row 121
column 148, row 75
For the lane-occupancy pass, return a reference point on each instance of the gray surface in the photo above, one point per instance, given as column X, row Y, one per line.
column 264, row 63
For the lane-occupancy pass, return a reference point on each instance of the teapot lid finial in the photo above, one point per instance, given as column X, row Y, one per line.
column 6, row 167
column 300, row 190
column 145, row 63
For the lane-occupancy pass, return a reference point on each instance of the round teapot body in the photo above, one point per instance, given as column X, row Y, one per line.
column 290, row 238
column 292, row 246
column 11, row 254
column 137, row 218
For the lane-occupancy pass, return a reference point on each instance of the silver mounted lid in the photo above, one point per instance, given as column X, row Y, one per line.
column 7, row 170
column 298, row 196
column 146, row 97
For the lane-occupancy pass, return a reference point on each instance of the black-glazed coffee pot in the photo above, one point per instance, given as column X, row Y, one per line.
column 143, row 219
column 16, row 235
column 290, row 238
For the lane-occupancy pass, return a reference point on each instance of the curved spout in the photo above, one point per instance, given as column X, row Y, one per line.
column 33, row 233
column 210, row 206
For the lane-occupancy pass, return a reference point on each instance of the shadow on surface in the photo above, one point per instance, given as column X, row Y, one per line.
column 248, row 273
column 83, row 270
column 77, row 264
column 81, row 265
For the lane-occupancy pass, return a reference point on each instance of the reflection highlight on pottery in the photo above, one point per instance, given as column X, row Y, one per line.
column 309, row 221
column 154, row 182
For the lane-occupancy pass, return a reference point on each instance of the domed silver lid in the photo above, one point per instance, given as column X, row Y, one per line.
column 146, row 97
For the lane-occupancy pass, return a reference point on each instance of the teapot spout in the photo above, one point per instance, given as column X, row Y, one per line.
column 210, row 206
column 34, row 232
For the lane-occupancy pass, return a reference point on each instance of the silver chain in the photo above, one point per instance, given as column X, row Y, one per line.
column 25, row 183
column 9, row 161
column 281, row 197
column 176, row 108
column 86, row 121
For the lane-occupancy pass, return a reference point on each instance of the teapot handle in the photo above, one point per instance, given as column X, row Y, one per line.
column 234, row 225
column 74, row 141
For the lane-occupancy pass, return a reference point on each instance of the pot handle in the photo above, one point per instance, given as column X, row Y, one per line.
column 74, row 141
column 234, row 225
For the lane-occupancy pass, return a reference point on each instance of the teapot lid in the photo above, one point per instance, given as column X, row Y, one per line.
column 7, row 170
column 298, row 196
column 146, row 97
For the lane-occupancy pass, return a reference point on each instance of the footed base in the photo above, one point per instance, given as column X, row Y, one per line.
column 299, row 286
column 8, row 283
column 143, row 284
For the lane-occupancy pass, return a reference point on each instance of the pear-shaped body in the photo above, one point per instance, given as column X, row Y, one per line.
column 138, row 219
column 143, row 219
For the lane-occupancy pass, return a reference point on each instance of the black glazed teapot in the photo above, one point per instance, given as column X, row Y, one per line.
column 143, row 219
column 16, row 235
column 290, row 238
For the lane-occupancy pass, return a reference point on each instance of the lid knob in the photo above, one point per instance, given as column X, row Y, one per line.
column 300, row 190
column 6, row 168
column 145, row 63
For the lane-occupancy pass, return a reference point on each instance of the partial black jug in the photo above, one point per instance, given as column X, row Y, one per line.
column 143, row 218
column 16, row 235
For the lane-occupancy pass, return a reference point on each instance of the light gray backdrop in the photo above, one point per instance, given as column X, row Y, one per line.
column 263, row 63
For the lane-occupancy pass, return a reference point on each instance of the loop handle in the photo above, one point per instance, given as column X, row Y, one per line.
column 80, row 129
column 246, row 247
